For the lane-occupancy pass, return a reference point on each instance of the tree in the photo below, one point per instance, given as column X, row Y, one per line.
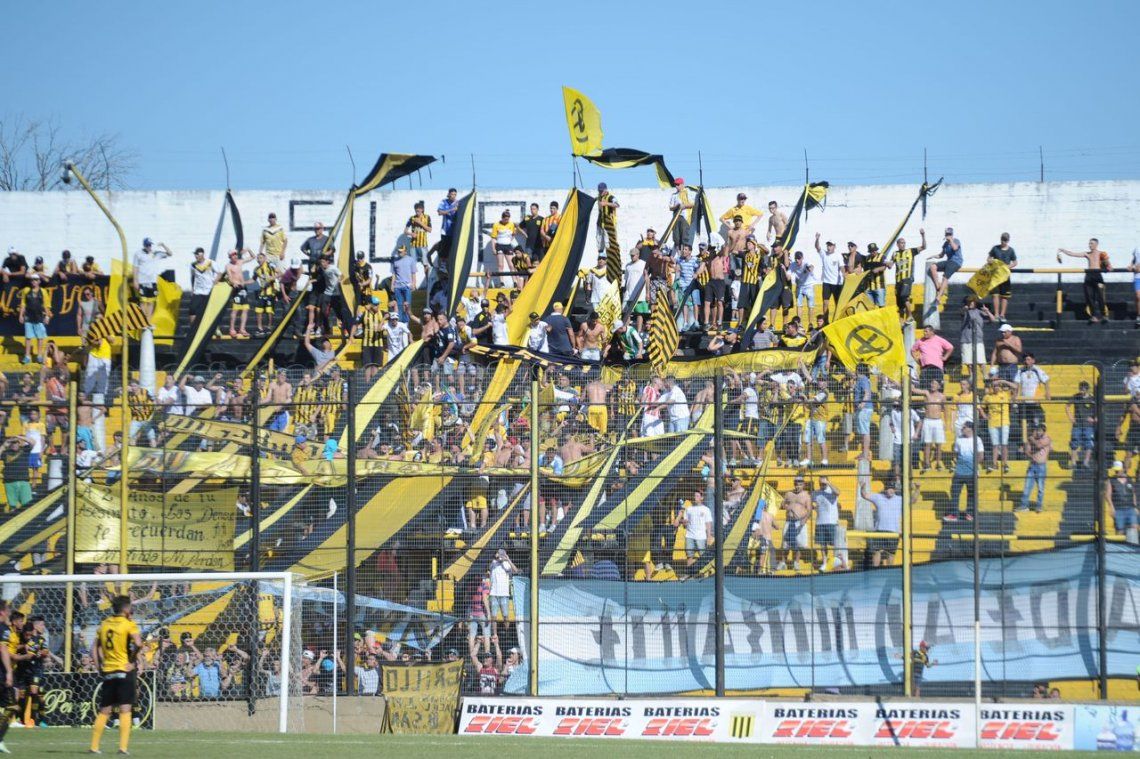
column 33, row 151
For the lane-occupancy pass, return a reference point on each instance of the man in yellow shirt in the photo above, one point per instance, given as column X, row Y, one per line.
column 273, row 242
column 746, row 212
column 995, row 410
column 118, row 643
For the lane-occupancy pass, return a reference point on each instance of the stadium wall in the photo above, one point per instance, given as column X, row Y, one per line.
column 1040, row 216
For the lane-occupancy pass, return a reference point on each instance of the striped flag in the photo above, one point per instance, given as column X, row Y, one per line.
column 663, row 335
column 110, row 325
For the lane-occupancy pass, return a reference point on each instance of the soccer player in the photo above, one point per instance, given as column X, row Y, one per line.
column 30, row 671
column 5, row 674
column 117, row 644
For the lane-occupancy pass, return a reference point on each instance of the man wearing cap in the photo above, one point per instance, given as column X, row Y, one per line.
column 371, row 337
column 607, row 218
column 831, row 274
column 273, row 242
column 747, row 213
column 146, row 263
column 876, row 279
column 1120, row 497
column 1007, row 353
column 737, row 236
column 35, row 314
column 635, row 288
column 919, row 661
column 1004, row 253
column 397, row 335
column 537, row 332
column 1037, row 448
column 681, row 206
column 946, row 263
column 197, row 397
column 403, row 281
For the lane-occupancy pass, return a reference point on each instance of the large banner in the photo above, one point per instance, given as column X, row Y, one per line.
column 1038, row 623
column 864, row 723
column 72, row 699
column 422, row 698
column 187, row 530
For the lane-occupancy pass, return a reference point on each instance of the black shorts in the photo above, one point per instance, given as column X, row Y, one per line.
column 372, row 355
column 26, row 678
column 148, row 293
column 505, row 250
column 747, row 295
column 1004, row 290
column 831, row 292
column 902, row 293
column 825, row 535
column 118, row 689
column 887, row 545
column 198, row 305
column 714, row 291
column 239, row 297
column 265, row 303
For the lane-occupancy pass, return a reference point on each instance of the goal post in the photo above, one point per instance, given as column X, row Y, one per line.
column 223, row 649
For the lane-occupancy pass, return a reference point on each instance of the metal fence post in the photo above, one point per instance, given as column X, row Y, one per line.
column 72, row 470
column 718, row 523
column 254, row 542
column 907, row 528
column 532, row 612
column 1101, row 540
column 350, row 543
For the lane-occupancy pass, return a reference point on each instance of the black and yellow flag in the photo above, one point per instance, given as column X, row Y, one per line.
column 814, row 195
column 663, row 335
column 229, row 208
column 988, row 277
column 924, row 193
column 628, row 158
column 772, row 289
column 204, row 325
column 873, row 337
column 853, row 296
column 463, row 252
column 584, row 121
column 389, row 168
column 111, row 325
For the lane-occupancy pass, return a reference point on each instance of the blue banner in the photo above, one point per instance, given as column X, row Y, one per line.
column 1038, row 622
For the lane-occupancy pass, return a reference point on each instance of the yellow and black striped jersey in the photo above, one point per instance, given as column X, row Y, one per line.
column 419, row 235
column 141, row 404
column 904, row 264
column 750, row 272
column 372, row 321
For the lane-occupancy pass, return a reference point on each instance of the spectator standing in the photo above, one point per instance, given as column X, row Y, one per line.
column 996, row 406
column 635, row 288
column 499, row 596
column 747, row 213
column 503, row 234
column 560, row 339
column 1006, row 355
column 797, row 508
column 1081, row 411
column 946, row 264
column 446, row 210
column 35, row 314
column 831, row 273
column 146, row 264
column 1028, row 379
column 697, row 519
column 549, row 227
column 974, row 316
column 1037, row 448
column 803, row 276
column 888, row 518
column 825, row 500
column 686, row 271
column 864, row 407
column 1005, row 253
column 234, row 275
column 965, row 448
column 315, row 247
column 203, row 277
column 417, row 230
column 403, row 281
column 332, row 299
column 1096, row 260
column 681, row 205
column 537, row 338
column 273, row 242
column 17, row 465
column 903, row 264
column 931, row 351
column 607, row 216
column 1120, row 497
column 531, row 229
column 777, row 221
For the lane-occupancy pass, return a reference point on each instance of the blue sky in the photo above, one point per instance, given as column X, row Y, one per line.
column 864, row 87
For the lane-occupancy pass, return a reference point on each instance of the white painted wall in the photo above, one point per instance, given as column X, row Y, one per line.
column 1041, row 217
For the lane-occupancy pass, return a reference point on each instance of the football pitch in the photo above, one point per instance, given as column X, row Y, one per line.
column 178, row 745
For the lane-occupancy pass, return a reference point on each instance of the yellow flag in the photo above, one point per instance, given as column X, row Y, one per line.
column 584, row 121
column 988, row 277
column 873, row 337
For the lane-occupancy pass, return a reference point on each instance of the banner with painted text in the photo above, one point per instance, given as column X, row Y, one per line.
column 189, row 530
column 834, row 630
column 72, row 699
column 422, row 699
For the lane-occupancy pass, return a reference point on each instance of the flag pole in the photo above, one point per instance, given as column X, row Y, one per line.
column 907, row 527
column 71, row 170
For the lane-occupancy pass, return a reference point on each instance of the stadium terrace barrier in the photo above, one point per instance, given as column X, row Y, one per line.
column 1042, row 725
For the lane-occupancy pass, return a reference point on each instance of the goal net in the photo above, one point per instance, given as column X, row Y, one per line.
column 223, row 651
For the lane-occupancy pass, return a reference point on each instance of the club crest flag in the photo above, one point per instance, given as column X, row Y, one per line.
column 870, row 337
column 584, row 121
column 988, row 277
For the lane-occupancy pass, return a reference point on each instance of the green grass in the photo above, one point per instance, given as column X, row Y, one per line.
column 177, row 745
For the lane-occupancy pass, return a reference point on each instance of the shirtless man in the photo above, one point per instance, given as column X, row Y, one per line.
column 777, row 220
column 574, row 449
column 797, row 506
column 737, row 236
column 235, row 278
column 717, row 267
column 590, row 338
column 597, row 412
column 933, row 425
column 762, row 530
column 280, row 396
column 701, row 401
column 1095, row 258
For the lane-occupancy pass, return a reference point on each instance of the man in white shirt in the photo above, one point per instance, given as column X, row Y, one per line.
column 697, row 520
column 145, row 264
column 500, row 596
column 597, row 282
column 825, row 501
column 203, row 277
column 677, row 404
column 680, row 201
column 888, row 518
column 169, row 397
column 830, row 273
column 536, row 336
column 397, row 334
column 1028, row 379
column 197, row 396
column 635, row 288
column 499, row 333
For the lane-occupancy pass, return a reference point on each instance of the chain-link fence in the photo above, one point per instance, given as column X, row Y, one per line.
column 780, row 532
